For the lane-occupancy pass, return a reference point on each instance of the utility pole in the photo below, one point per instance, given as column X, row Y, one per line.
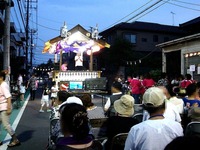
column 6, row 39
column 27, row 34
column 31, row 55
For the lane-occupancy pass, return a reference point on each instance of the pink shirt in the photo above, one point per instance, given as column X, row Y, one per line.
column 135, row 86
column 147, row 83
column 185, row 83
column 4, row 94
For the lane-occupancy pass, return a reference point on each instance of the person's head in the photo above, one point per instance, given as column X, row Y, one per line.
column 184, row 143
column 87, row 100
column 74, row 99
column 192, row 89
column 116, row 87
column 2, row 76
column 63, row 96
column 78, row 54
column 124, row 105
column 172, row 90
column 135, row 75
column 188, row 76
column 154, row 100
column 74, row 121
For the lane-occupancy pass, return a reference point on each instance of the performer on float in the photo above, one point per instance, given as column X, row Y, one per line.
column 79, row 61
column 64, row 66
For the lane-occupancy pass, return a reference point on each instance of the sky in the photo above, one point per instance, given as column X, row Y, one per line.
column 106, row 13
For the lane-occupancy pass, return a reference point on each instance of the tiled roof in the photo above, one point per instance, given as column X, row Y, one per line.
column 145, row 26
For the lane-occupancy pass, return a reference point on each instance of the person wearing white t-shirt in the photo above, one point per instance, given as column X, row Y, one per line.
column 156, row 132
column 19, row 80
column 79, row 61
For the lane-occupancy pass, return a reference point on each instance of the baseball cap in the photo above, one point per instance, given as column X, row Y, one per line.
column 154, row 96
column 124, row 105
column 74, row 99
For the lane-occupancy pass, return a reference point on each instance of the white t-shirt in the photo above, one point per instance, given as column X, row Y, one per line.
column 171, row 112
column 19, row 80
column 54, row 91
column 4, row 94
column 153, row 134
column 78, row 60
column 178, row 103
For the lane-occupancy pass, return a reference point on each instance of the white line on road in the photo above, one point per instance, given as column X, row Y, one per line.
column 14, row 125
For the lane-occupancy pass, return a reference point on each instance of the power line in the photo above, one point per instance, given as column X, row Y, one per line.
column 144, row 10
column 150, row 11
column 194, row 4
column 17, row 19
column 21, row 14
column 44, row 26
column 184, row 6
column 130, row 13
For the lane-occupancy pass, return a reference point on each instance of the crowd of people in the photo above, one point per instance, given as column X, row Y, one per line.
column 165, row 111
column 168, row 106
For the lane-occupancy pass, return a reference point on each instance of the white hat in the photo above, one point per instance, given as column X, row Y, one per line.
column 124, row 105
column 154, row 96
column 74, row 99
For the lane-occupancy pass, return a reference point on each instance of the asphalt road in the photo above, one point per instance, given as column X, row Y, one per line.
column 33, row 127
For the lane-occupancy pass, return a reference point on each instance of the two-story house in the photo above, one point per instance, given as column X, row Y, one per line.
column 143, row 37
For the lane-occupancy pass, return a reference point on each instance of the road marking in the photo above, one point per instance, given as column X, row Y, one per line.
column 14, row 125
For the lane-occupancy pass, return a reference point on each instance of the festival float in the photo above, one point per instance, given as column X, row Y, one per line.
column 77, row 40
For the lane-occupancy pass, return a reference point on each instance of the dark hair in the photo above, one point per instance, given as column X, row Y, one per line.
column 87, row 100
column 152, row 109
column 63, row 95
column 188, row 76
column 191, row 88
column 74, row 120
column 170, row 89
column 183, row 143
column 117, row 85
column 2, row 74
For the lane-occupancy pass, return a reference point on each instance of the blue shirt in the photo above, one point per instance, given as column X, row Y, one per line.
column 191, row 102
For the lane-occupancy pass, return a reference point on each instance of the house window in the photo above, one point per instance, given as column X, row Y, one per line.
column 155, row 38
column 131, row 38
column 144, row 39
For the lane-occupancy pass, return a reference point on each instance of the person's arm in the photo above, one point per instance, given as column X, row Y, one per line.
column 9, row 106
column 107, row 105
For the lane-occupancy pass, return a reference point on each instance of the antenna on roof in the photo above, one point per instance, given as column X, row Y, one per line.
column 172, row 17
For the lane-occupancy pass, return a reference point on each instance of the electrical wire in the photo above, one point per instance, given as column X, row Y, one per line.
column 150, row 11
column 44, row 26
column 144, row 10
column 184, row 6
column 21, row 14
column 194, row 4
column 17, row 19
column 130, row 13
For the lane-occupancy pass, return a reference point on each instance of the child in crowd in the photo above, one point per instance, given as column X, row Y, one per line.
column 45, row 98
column 54, row 90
